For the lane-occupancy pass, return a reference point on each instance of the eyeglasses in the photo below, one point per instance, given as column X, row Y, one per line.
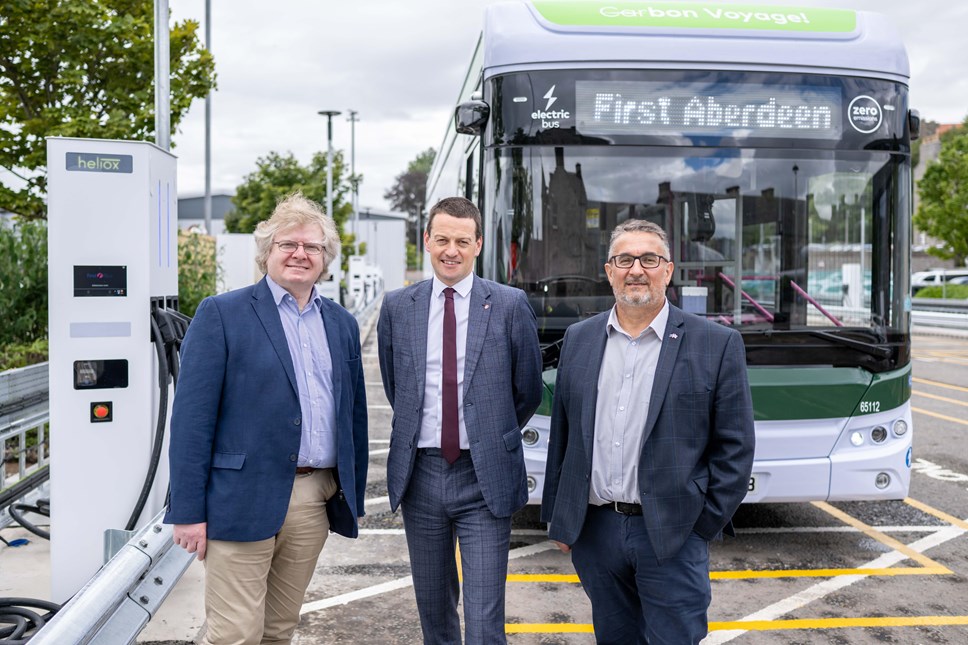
column 647, row 260
column 311, row 248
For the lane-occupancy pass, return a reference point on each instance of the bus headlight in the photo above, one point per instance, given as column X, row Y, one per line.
column 882, row 481
column 529, row 436
column 900, row 428
column 856, row 438
column 878, row 434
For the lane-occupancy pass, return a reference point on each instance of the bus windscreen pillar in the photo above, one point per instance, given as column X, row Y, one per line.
column 112, row 259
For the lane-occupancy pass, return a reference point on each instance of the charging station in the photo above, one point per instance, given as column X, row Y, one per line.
column 113, row 261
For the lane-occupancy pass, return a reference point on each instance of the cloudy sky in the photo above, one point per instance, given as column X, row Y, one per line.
column 399, row 64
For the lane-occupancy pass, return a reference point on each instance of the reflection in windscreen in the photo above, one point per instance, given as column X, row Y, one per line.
column 776, row 239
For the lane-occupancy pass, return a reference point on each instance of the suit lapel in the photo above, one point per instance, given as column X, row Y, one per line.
column 333, row 340
column 671, row 342
column 591, row 349
column 420, row 314
column 477, row 319
column 268, row 313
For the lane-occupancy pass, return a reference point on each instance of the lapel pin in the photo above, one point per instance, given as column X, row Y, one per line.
column 487, row 305
column 673, row 335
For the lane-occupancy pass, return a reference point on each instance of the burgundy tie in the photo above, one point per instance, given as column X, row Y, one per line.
column 449, row 427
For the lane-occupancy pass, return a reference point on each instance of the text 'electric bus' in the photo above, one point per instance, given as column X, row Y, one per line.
column 772, row 144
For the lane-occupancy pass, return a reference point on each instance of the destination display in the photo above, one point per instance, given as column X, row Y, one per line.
column 649, row 108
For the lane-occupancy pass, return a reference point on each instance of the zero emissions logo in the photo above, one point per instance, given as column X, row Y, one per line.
column 864, row 114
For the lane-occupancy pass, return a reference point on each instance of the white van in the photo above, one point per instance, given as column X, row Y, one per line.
column 934, row 278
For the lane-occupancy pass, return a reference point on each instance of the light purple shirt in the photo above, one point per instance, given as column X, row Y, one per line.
column 311, row 360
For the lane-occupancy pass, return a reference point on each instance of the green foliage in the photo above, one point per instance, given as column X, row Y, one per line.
column 413, row 260
column 196, row 270
column 23, row 282
column 83, row 68
column 409, row 190
column 949, row 291
column 23, row 354
column 943, row 212
column 277, row 176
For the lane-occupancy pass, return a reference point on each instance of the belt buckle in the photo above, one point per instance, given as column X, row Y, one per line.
column 617, row 509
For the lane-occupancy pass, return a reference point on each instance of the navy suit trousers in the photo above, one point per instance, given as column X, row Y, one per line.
column 444, row 501
column 635, row 597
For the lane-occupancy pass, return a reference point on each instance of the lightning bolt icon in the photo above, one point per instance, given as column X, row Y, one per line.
column 551, row 98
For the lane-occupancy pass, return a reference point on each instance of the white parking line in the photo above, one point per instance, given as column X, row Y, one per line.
column 819, row 590
column 402, row 583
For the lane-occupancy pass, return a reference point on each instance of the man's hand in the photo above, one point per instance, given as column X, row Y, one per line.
column 192, row 537
column 564, row 547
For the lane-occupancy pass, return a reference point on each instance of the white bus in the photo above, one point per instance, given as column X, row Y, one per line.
column 773, row 144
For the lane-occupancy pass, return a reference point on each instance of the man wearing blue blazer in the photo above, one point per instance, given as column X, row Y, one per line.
column 651, row 449
column 462, row 370
column 269, row 432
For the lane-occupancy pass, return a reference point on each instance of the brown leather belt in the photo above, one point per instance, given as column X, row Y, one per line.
column 305, row 470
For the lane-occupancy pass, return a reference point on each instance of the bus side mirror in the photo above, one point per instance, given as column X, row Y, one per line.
column 470, row 117
column 914, row 124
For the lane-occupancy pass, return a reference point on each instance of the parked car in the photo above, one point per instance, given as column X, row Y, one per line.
column 935, row 278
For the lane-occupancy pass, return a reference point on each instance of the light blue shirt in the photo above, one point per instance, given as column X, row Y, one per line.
column 311, row 360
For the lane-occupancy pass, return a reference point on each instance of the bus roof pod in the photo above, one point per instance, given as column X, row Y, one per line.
column 678, row 35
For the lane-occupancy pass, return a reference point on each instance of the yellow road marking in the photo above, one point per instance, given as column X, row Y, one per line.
column 940, row 416
column 838, row 623
column 827, row 573
column 750, row 574
column 548, row 628
column 940, row 384
column 940, row 398
column 761, row 625
column 941, row 515
column 874, row 534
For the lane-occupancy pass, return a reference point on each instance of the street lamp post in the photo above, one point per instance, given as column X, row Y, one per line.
column 356, row 207
column 329, row 114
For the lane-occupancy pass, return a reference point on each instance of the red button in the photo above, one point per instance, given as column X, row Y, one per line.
column 101, row 411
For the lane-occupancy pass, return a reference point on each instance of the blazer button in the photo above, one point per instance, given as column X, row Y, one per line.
column 297, row 421
column 293, row 457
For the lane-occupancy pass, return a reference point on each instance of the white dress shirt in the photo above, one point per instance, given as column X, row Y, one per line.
column 433, row 384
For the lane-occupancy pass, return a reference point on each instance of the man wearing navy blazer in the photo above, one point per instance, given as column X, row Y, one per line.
column 460, row 391
column 651, row 449
column 268, row 432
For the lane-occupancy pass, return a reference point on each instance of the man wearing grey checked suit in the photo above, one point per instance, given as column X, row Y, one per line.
column 461, row 368
column 651, row 449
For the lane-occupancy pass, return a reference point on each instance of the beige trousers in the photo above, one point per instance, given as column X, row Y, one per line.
column 254, row 590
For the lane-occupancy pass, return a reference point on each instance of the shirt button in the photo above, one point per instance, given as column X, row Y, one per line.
column 616, row 481
column 621, row 407
column 628, row 376
column 618, row 443
column 633, row 342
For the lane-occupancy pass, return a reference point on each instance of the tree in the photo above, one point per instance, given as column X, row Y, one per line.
column 409, row 189
column 83, row 68
column 943, row 212
column 276, row 176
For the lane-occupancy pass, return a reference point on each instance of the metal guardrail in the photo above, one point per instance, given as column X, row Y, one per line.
column 117, row 603
column 24, row 407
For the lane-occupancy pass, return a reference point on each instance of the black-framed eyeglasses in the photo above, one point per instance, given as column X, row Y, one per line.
column 647, row 260
column 311, row 248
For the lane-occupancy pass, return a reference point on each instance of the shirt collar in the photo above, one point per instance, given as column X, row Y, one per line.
column 462, row 288
column 657, row 325
column 279, row 293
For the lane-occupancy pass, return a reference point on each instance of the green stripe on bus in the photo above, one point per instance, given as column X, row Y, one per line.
column 696, row 15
